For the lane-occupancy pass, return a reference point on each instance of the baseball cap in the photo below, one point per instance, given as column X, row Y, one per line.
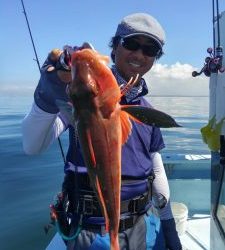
column 141, row 24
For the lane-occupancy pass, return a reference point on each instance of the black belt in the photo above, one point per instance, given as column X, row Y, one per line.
column 135, row 205
column 89, row 205
column 125, row 223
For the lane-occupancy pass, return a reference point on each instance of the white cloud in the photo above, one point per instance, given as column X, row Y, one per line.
column 163, row 79
column 176, row 79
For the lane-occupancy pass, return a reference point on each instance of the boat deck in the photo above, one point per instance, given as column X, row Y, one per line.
column 189, row 174
column 196, row 237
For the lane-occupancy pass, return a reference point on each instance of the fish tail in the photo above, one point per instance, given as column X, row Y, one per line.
column 114, row 241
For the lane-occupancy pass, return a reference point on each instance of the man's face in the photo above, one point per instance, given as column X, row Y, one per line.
column 129, row 63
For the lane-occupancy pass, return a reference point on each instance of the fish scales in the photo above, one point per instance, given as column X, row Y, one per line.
column 103, row 126
column 95, row 96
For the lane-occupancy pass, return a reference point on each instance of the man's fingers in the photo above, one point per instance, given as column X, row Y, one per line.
column 64, row 76
column 55, row 54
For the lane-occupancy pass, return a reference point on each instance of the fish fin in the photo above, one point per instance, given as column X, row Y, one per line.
column 129, row 85
column 150, row 116
column 134, row 118
column 102, row 202
column 126, row 126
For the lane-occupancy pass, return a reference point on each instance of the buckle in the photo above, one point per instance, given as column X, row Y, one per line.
column 126, row 223
column 137, row 204
column 86, row 205
column 151, row 177
column 133, row 205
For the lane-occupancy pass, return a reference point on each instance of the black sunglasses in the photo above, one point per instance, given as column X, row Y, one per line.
column 131, row 44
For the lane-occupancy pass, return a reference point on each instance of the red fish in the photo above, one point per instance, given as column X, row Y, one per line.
column 103, row 126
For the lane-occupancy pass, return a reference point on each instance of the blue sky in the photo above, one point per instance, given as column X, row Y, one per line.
column 188, row 27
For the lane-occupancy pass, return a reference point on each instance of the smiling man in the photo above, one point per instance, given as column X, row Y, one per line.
column 138, row 42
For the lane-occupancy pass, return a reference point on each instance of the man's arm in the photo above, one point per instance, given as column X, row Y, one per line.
column 40, row 129
column 161, row 193
column 44, row 123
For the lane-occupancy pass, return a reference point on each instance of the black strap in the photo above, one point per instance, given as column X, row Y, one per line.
column 125, row 223
column 150, row 178
column 135, row 205
column 85, row 201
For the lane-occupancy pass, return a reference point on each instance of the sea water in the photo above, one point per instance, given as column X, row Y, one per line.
column 28, row 184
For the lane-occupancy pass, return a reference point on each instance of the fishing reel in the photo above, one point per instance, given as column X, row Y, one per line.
column 213, row 63
column 64, row 62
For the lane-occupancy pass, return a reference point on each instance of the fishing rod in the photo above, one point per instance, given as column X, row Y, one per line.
column 213, row 62
column 36, row 59
column 35, row 52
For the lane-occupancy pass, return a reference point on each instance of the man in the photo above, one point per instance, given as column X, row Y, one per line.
column 138, row 42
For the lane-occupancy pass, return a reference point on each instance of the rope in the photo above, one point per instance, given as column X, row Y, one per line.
column 55, row 218
column 67, row 238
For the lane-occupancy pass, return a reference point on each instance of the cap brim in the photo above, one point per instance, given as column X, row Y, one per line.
column 160, row 43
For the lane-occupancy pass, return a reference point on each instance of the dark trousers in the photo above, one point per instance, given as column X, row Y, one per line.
column 146, row 234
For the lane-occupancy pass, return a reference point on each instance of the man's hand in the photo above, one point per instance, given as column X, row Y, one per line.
column 54, row 56
column 64, row 76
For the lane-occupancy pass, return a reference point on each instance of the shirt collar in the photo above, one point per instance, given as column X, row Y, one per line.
column 134, row 94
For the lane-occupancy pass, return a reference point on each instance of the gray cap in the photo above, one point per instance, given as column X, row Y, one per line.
column 141, row 24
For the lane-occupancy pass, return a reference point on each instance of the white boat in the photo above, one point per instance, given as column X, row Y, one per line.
column 196, row 183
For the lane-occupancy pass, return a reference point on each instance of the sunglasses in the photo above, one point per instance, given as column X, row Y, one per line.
column 151, row 50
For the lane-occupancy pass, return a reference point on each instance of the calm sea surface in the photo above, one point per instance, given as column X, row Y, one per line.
column 28, row 184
